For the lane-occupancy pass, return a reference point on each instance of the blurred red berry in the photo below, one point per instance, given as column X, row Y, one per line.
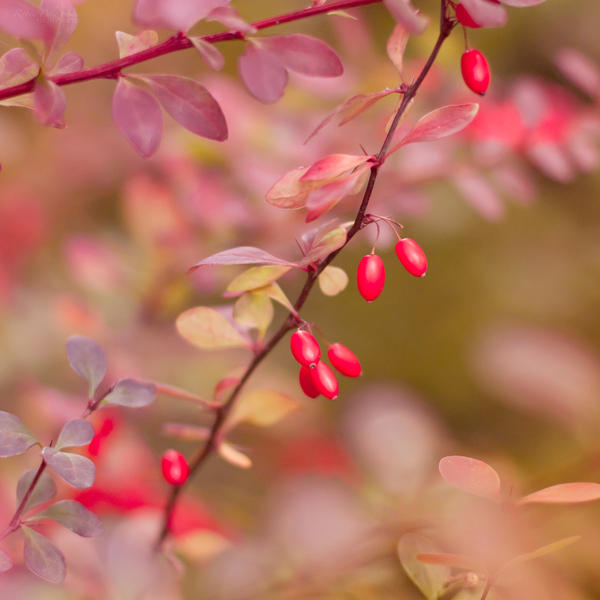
column 325, row 380
column 412, row 257
column 344, row 360
column 370, row 276
column 475, row 71
column 305, row 348
column 306, row 382
column 175, row 469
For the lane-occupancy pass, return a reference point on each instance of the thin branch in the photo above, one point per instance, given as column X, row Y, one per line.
column 291, row 321
column 112, row 69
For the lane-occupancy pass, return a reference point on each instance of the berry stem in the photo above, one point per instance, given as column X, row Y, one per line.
column 292, row 320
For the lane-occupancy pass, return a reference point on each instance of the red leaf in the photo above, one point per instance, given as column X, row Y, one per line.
column 289, row 191
column 243, row 255
column 333, row 166
column 173, row 14
column 138, row 116
column 23, row 20
column 396, row 45
column 564, row 493
column 406, row 15
column 305, row 54
column 62, row 21
column 486, row 13
column 190, row 104
column 470, row 475
column 49, row 103
column 262, row 73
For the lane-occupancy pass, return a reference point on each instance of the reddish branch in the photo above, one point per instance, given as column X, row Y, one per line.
column 292, row 319
column 112, row 69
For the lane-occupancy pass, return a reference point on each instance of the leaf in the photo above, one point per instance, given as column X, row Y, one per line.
column 406, row 15
column 76, row 470
column 42, row 557
column 262, row 408
column 61, row 17
column 189, row 433
column 333, row 280
column 326, row 244
column 179, row 15
column 190, row 104
column 74, row 516
column 68, row 63
column 254, row 310
column 255, row 277
column 137, row 114
column 275, row 292
column 486, row 13
column 5, row 562
column 458, row 561
column 470, row 475
column 44, row 490
column 440, row 123
column 233, row 456
column 262, row 73
column 224, row 387
column 543, row 551
column 333, row 166
column 289, row 191
column 207, row 328
column 87, row 359
column 210, row 53
column 131, row 44
column 15, row 438
column 522, row 3
column 564, row 493
column 131, row 393
column 23, row 20
column 304, row 54
column 580, row 70
column 230, row 18
column 49, row 103
column 77, row 432
column 396, row 45
column 16, row 66
column 242, row 255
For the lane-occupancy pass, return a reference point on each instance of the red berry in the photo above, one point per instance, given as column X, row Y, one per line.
column 475, row 71
column 305, row 348
column 344, row 360
column 324, row 380
column 464, row 18
column 370, row 276
column 412, row 257
column 175, row 469
column 306, row 382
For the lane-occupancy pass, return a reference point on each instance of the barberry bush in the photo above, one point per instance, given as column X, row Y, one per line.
column 298, row 300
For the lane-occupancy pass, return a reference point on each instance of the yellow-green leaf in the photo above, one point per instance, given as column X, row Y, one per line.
column 333, row 280
column 262, row 408
column 254, row 310
column 255, row 277
column 276, row 293
column 207, row 328
column 548, row 549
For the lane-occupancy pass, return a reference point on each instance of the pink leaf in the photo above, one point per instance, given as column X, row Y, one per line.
column 441, row 123
column 333, row 166
column 522, row 3
column 62, row 20
column 470, row 475
column 564, row 493
column 262, row 73
column 305, row 54
column 209, row 52
column 406, row 15
column 289, row 191
column 68, row 63
column 485, row 12
column 230, row 18
column 582, row 71
column 130, row 44
column 478, row 192
column 396, row 45
column 23, row 20
column 243, row 255
column 190, row 104
column 173, row 14
column 459, row 561
column 138, row 116
column 49, row 103
column 16, row 66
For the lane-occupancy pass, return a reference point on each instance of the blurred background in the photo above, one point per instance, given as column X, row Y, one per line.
column 495, row 354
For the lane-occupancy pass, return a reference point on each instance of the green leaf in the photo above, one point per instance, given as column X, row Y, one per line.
column 255, row 277
column 42, row 557
column 262, row 408
column 254, row 310
column 208, row 329
column 15, row 438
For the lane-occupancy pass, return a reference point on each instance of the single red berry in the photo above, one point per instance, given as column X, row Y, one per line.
column 305, row 348
column 306, row 382
column 344, row 360
column 412, row 257
column 175, row 469
column 324, row 380
column 464, row 18
column 475, row 71
column 370, row 276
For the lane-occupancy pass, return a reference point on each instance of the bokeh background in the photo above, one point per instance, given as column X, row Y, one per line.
column 495, row 354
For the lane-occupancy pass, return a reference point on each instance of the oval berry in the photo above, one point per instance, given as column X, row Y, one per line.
column 412, row 257
column 325, row 380
column 370, row 276
column 305, row 348
column 475, row 71
column 344, row 360
column 175, row 469
column 306, row 382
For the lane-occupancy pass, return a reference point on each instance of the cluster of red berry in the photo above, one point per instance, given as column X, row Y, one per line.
column 370, row 276
column 474, row 66
column 316, row 377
